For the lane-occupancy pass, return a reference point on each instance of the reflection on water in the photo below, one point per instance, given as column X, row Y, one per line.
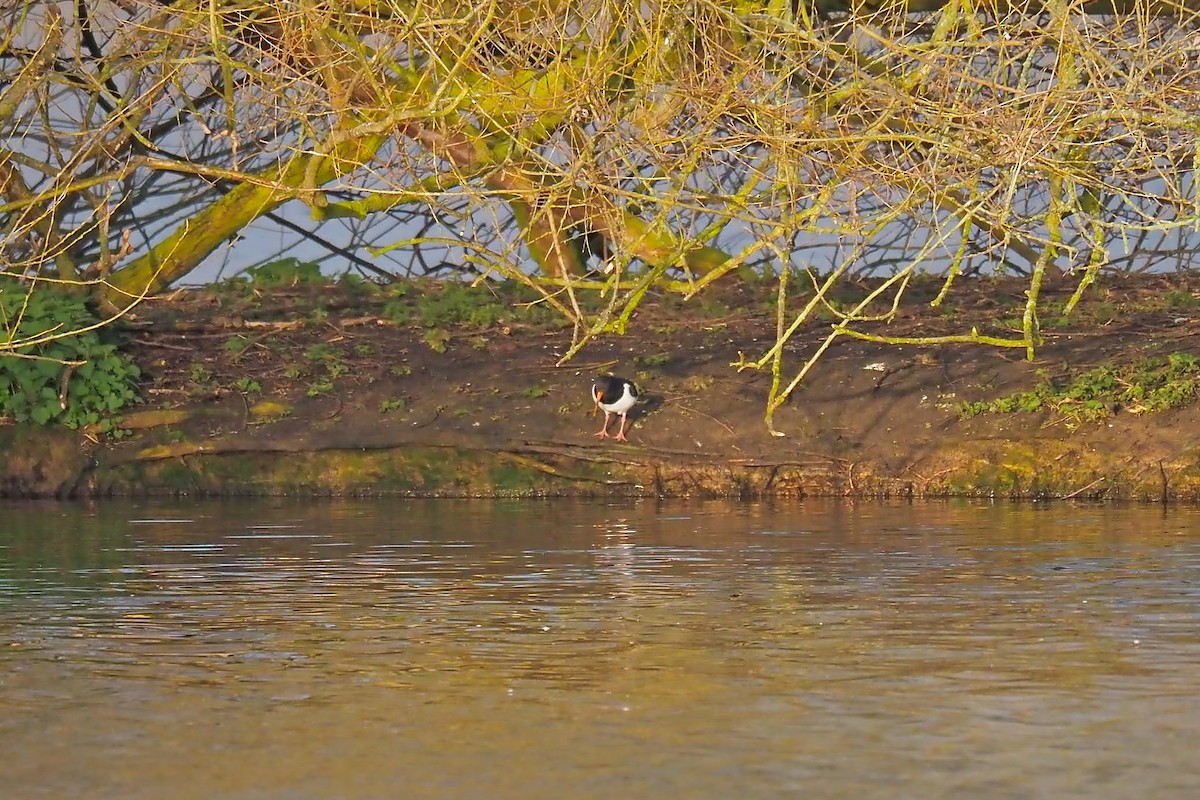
column 525, row 650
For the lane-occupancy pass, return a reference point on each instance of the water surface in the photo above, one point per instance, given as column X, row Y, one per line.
column 443, row 649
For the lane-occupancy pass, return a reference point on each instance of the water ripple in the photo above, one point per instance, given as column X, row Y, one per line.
column 709, row 650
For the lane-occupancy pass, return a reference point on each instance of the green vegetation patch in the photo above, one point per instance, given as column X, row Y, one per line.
column 1144, row 386
column 54, row 370
column 284, row 272
column 461, row 306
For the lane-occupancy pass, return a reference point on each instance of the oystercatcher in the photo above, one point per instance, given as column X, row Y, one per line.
column 614, row 395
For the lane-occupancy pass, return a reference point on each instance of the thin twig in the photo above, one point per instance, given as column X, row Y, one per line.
column 1083, row 489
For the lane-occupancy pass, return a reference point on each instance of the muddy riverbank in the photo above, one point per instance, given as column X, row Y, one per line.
column 349, row 390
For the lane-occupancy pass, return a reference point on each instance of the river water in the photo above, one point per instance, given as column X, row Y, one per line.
column 445, row 649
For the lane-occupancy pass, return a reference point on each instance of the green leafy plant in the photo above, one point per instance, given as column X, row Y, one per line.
column 284, row 272
column 321, row 351
column 77, row 379
column 460, row 305
column 356, row 283
column 398, row 311
column 200, row 373
column 1145, row 386
column 396, row 404
column 437, row 339
column 1180, row 298
column 328, row 356
column 319, row 387
column 111, row 428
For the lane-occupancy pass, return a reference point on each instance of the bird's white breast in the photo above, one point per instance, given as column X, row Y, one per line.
column 622, row 403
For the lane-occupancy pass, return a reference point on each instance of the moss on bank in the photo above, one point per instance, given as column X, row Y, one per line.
column 47, row 463
column 41, row 462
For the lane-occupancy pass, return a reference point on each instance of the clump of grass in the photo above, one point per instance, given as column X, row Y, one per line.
column 437, row 339
column 200, row 375
column 319, row 387
column 284, row 272
column 457, row 305
column 463, row 307
column 327, row 355
column 394, row 404
column 397, row 307
column 1146, row 386
column 1181, row 298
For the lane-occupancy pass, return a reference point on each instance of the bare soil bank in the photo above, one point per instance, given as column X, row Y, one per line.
column 351, row 390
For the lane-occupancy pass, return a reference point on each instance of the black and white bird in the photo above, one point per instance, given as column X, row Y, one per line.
column 614, row 395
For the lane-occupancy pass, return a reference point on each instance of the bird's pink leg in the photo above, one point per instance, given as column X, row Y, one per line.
column 620, row 437
column 603, row 432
